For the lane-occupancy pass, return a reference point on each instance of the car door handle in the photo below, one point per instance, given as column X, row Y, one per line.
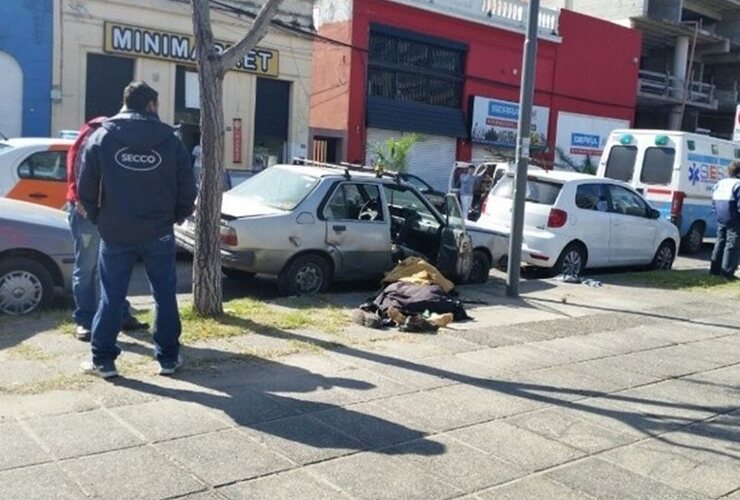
column 38, row 195
column 339, row 229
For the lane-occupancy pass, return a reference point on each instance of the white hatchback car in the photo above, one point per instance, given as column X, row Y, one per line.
column 575, row 221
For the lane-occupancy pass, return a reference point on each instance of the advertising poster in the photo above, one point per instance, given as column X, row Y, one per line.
column 580, row 139
column 495, row 123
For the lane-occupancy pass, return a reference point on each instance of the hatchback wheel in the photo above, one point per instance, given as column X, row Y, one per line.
column 664, row 256
column 571, row 262
column 306, row 275
column 25, row 286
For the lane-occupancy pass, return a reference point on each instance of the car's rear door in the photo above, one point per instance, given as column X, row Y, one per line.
column 592, row 221
column 41, row 177
column 358, row 228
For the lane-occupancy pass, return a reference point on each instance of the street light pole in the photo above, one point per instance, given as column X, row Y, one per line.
column 522, row 150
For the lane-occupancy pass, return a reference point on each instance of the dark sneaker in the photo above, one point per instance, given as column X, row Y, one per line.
column 105, row 370
column 82, row 333
column 132, row 324
column 170, row 368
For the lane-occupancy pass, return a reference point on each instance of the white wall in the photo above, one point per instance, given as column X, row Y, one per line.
column 11, row 96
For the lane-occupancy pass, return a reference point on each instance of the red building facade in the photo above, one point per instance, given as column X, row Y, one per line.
column 384, row 68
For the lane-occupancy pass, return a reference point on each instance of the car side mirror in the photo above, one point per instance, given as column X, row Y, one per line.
column 654, row 214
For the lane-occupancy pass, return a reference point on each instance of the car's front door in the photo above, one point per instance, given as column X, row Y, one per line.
column 632, row 230
column 455, row 258
column 358, row 229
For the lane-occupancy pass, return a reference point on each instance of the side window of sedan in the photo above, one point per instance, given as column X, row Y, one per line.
column 624, row 201
column 44, row 165
column 354, row 202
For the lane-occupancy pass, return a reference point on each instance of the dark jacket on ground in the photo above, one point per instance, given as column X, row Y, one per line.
column 136, row 179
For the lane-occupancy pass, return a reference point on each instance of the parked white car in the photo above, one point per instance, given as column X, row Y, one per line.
column 576, row 221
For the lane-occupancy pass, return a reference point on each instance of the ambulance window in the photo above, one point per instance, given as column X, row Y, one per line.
column 657, row 167
column 44, row 165
column 621, row 163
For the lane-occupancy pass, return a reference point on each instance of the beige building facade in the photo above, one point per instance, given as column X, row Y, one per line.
column 101, row 45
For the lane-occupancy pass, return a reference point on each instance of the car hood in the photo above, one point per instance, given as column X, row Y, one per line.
column 31, row 213
column 237, row 206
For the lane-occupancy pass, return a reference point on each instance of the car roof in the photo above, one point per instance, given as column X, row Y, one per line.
column 18, row 142
column 338, row 173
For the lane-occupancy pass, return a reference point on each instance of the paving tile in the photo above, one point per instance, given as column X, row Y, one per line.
column 78, row 434
column 283, row 486
column 378, row 477
column 571, row 349
column 18, row 372
column 565, row 427
column 560, row 384
column 304, row 439
column 520, row 447
column 224, row 457
column 168, row 419
column 604, row 480
column 47, row 403
column 371, row 424
column 465, row 467
column 612, row 370
column 39, row 482
column 513, row 358
column 133, row 473
column 18, row 448
column 537, row 487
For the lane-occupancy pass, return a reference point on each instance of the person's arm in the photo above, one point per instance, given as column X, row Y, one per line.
column 89, row 183
column 186, row 190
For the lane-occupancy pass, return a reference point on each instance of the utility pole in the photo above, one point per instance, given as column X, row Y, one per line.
column 529, row 61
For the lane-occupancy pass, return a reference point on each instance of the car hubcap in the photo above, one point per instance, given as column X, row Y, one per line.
column 20, row 292
column 572, row 264
column 309, row 279
column 665, row 258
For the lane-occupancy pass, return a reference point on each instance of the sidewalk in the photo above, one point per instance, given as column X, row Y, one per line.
column 572, row 392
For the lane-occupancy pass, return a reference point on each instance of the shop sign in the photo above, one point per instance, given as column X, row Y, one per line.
column 580, row 139
column 495, row 123
column 178, row 47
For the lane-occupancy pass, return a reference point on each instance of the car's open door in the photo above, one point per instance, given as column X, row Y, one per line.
column 455, row 257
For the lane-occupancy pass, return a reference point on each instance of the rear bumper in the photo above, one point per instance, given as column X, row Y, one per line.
column 243, row 260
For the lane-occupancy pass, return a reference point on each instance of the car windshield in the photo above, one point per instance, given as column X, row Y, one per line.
column 276, row 188
column 538, row 190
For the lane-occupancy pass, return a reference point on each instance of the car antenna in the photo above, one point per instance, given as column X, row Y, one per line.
column 346, row 174
column 4, row 137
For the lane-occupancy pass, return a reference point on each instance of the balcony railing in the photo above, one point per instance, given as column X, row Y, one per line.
column 667, row 87
column 510, row 14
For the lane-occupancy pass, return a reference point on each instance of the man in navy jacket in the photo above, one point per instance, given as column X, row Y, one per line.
column 726, row 204
column 136, row 183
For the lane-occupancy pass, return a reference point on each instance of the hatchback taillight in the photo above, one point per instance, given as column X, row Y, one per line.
column 228, row 236
column 557, row 218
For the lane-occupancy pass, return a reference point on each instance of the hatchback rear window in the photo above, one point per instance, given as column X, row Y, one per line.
column 621, row 163
column 538, row 191
column 657, row 167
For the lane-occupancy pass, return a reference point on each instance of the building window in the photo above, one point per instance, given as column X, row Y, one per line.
column 106, row 78
column 271, row 118
column 416, row 70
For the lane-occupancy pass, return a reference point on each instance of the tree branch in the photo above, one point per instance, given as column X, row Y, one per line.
column 258, row 30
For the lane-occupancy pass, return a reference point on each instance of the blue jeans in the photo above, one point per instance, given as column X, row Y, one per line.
column 85, row 272
column 726, row 250
column 116, row 265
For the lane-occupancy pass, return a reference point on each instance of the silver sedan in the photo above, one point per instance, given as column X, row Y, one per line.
column 36, row 256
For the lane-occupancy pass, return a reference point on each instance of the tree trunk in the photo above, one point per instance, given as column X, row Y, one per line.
column 207, row 286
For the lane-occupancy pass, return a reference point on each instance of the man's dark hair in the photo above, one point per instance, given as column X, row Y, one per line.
column 734, row 169
column 137, row 95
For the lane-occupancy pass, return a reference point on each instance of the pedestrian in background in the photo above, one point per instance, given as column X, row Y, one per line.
column 726, row 205
column 468, row 181
column 136, row 182
column 87, row 245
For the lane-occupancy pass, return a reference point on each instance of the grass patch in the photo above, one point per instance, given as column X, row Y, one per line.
column 686, row 280
column 27, row 352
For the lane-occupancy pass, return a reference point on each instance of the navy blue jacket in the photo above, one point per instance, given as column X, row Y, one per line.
column 136, row 179
column 726, row 201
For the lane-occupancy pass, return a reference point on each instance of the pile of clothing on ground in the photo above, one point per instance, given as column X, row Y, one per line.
column 416, row 298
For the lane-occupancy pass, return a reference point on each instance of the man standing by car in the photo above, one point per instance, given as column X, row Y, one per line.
column 468, row 181
column 87, row 245
column 136, row 183
column 726, row 204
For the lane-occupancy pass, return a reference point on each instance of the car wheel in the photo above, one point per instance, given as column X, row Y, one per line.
column 480, row 269
column 237, row 274
column 572, row 261
column 25, row 286
column 692, row 242
column 305, row 275
column 664, row 256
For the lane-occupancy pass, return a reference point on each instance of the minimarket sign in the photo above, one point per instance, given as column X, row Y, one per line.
column 178, row 47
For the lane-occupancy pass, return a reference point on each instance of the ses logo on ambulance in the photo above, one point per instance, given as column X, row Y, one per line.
column 707, row 169
column 140, row 161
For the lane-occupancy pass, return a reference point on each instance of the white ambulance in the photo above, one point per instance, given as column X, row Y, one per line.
column 675, row 171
